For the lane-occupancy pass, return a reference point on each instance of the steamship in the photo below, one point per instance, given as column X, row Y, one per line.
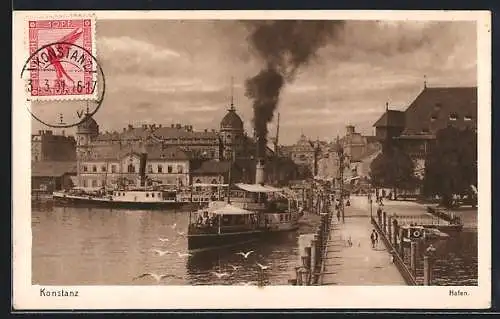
column 139, row 196
column 249, row 212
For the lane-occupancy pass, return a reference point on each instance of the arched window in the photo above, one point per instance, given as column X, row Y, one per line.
column 131, row 168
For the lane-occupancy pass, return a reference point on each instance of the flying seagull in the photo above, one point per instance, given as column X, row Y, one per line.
column 234, row 267
column 157, row 277
column 181, row 233
column 163, row 239
column 262, row 267
column 220, row 274
column 245, row 255
column 183, row 254
column 160, row 252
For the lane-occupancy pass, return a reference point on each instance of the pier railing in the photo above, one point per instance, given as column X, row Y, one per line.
column 312, row 251
column 390, row 230
column 397, row 259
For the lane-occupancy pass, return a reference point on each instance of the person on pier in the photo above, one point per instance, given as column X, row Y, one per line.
column 374, row 238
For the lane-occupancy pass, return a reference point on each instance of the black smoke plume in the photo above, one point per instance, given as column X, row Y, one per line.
column 284, row 46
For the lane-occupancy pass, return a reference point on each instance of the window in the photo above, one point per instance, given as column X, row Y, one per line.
column 147, row 194
column 94, row 183
column 169, row 169
column 84, row 183
column 84, row 168
column 131, row 168
column 160, row 168
column 152, row 194
column 180, row 168
column 94, row 168
column 150, row 168
column 103, row 168
column 113, row 168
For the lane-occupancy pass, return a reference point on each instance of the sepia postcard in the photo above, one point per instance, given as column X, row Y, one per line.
column 251, row 160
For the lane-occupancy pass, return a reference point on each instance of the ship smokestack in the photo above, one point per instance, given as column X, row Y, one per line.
column 142, row 165
column 260, row 176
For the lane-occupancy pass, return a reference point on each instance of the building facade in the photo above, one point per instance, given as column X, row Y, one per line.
column 177, row 155
column 435, row 108
column 47, row 146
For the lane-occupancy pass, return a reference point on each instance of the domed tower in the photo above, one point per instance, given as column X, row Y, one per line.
column 86, row 132
column 232, row 132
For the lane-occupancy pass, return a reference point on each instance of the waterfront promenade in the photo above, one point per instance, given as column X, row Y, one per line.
column 358, row 263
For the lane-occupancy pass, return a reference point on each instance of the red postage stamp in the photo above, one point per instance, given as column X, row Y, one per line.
column 61, row 63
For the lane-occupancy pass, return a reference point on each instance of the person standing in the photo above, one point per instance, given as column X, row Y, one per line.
column 373, row 238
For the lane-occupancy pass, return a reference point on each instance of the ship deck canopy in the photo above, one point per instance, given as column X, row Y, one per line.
column 209, row 185
column 257, row 188
column 226, row 209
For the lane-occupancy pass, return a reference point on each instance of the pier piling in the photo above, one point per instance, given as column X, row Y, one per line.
column 313, row 260
column 427, row 271
column 395, row 230
column 413, row 257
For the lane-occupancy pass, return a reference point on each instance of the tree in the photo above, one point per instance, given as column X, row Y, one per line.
column 393, row 169
column 451, row 165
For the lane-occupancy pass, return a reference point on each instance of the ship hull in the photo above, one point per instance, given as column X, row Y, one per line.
column 98, row 202
column 213, row 241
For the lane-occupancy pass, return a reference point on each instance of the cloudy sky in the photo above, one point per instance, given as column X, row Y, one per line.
column 180, row 72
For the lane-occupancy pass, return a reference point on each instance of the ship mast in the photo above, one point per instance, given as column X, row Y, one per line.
column 277, row 135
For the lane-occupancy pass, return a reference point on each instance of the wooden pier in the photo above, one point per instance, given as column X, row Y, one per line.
column 350, row 258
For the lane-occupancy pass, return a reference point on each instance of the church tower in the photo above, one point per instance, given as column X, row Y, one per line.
column 232, row 132
column 86, row 132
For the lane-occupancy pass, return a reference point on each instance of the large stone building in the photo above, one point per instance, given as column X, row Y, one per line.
column 321, row 158
column 47, row 146
column 435, row 108
column 177, row 155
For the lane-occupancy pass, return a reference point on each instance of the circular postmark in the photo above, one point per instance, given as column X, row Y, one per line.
column 64, row 84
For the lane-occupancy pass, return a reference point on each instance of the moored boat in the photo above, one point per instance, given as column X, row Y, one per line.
column 152, row 198
column 220, row 225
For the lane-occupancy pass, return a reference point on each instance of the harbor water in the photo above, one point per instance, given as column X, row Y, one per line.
column 90, row 246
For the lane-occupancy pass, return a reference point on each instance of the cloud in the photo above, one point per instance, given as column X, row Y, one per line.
column 180, row 71
column 125, row 45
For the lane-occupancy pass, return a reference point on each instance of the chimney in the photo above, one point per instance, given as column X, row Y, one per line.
column 130, row 127
column 206, row 130
column 260, row 167
column 172, row 126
